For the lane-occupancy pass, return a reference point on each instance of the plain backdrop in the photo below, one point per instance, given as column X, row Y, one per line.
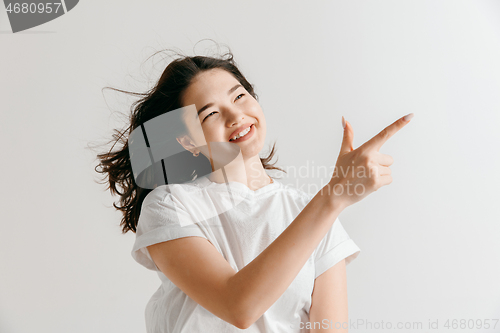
column 429, row 241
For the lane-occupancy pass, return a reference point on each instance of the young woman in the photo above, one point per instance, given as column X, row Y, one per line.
column 272, row 259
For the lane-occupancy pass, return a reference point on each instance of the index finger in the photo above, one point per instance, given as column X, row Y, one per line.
column 378, row 140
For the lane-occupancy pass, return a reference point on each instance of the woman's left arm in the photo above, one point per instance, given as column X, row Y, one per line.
column 329, row 301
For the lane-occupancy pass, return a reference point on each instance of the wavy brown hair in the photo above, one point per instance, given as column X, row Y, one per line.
column 115, row 166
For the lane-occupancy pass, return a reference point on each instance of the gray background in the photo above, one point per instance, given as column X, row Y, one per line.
column 429, row 240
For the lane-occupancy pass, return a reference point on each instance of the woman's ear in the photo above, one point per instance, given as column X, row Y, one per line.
column 188, row 144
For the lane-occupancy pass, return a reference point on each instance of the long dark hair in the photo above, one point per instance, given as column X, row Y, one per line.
column 115, row 166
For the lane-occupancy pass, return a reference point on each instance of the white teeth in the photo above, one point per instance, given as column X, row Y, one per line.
column 242, row 133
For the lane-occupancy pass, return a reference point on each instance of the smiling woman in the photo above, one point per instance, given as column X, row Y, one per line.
column 234, row 249
column 229, row 111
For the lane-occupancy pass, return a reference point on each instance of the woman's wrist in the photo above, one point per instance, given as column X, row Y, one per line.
column 334, row 196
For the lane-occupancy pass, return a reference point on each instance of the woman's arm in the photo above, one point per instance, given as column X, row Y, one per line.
column 240, row 298
column 329, row 301
column 260, row 283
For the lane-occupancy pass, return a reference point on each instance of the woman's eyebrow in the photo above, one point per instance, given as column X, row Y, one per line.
column 229, row 92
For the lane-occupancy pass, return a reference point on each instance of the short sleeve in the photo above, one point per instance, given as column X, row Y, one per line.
column 335, row 246
column 162, row 218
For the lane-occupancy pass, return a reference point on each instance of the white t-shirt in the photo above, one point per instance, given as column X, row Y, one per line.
column 240, row 225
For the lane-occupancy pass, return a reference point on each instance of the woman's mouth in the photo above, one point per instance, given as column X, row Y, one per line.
column 246, row 134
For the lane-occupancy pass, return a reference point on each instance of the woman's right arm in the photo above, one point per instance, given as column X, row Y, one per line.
column 240, row 298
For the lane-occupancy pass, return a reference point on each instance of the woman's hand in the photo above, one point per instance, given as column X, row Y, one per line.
column 359, row 172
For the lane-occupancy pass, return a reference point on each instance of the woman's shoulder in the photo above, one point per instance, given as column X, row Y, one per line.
column 164, row 192
column 190, row 190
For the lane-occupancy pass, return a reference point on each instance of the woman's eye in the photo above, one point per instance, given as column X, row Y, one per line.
column 237, row 97
column 208, row 115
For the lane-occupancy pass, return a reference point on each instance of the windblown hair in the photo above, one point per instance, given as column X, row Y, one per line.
column 166, row 95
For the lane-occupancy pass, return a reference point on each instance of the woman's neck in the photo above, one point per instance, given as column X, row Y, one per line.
column 249, row 172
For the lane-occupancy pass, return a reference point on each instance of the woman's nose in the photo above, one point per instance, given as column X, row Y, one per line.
column 234, row 115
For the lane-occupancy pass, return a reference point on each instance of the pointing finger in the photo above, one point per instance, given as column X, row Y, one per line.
column 378, row 140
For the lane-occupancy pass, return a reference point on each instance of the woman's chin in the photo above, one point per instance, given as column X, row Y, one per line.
column 249, row 153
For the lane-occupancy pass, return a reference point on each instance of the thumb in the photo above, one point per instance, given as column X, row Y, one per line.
column 347, row 141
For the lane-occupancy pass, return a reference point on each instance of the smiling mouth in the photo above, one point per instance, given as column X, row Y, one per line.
column 247, row 130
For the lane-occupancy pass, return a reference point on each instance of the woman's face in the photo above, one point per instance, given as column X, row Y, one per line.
column 223, row 106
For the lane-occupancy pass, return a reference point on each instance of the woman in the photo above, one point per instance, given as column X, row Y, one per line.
column 271, row 259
